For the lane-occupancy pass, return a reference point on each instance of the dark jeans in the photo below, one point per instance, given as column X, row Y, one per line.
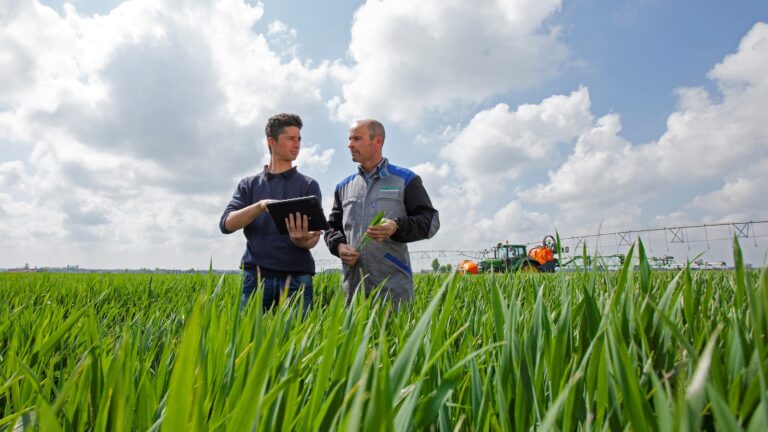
column 274, row 286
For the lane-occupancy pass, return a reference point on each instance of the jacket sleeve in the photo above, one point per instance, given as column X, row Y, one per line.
column 422, row 221
column 239, row 200
column 335, row 236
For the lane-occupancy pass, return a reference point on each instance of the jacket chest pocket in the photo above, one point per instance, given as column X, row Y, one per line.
column 393, row 206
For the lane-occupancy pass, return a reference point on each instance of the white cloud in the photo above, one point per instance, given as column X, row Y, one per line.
column 12, row 174
column 282, row 39
column 602, row 169
column 411, row 58
column 511, row 223
column 138, row 121
column 498, row 144
column 742, row 190
column 19, row 227
column 704, row 141
column 432, row 175
column 27, row 77
column 158, row 82
column 746, row 66
column 437, row 138
column 312, row 161
column 602, row 181
column 279, row 27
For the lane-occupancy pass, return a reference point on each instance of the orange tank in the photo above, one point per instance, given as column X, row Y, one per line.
column 541, row 254
column 466, row 266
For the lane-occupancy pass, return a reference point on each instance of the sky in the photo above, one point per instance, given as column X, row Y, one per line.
column 125, row 126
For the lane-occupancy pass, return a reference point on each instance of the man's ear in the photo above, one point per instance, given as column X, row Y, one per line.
column 270, row 143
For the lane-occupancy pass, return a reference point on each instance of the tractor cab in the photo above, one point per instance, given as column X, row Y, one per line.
column 505, row 258
column 507, row 251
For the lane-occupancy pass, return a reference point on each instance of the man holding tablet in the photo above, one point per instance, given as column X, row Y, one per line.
column 280, row 260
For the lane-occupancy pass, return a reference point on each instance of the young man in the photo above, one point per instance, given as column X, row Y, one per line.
column 378, row 185
column 279, row 260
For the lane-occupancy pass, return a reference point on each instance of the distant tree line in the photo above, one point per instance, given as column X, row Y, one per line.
column 437, row 268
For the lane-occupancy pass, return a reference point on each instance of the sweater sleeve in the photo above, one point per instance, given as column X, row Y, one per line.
column 314, row 189
column 239, row 200
column 422, row 220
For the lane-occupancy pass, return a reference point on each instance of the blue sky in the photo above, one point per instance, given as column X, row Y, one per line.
column 124, row 126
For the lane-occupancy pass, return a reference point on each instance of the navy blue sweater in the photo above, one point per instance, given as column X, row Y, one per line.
column 265, row 247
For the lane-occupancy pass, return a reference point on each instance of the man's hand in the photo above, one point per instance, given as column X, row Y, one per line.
column 348, row 254
column 298, row 230
column 383, row 231
column 263, row 204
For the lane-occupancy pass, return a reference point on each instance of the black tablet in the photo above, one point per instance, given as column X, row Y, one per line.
column 308, row 205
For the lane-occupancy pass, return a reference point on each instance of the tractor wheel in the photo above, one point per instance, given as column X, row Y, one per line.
column 527, row 267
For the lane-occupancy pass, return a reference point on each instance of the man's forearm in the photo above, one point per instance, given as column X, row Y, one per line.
column 422, row 221
column 240, row 218
column 417, row 227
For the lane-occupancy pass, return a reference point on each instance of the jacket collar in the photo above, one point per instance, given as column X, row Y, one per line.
column 380, row 170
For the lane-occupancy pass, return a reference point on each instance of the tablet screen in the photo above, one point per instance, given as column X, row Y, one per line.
column 308, row 205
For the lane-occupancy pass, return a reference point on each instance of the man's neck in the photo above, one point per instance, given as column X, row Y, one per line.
column 277, row 166
column 370, row 167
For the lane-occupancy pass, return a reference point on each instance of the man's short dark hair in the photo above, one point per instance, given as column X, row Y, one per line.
column 375, row 128
column 277, row 123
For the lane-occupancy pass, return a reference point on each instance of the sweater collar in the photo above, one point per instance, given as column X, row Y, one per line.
column 285, row 174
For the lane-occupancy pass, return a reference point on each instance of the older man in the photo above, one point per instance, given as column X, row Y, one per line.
column 409, row 216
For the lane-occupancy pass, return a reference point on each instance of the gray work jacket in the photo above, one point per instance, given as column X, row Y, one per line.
column 357, row 200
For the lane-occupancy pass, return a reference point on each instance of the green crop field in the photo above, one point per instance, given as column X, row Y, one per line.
column 626, row 350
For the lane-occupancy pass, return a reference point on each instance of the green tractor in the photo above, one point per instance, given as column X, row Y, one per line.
column 515, row 257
